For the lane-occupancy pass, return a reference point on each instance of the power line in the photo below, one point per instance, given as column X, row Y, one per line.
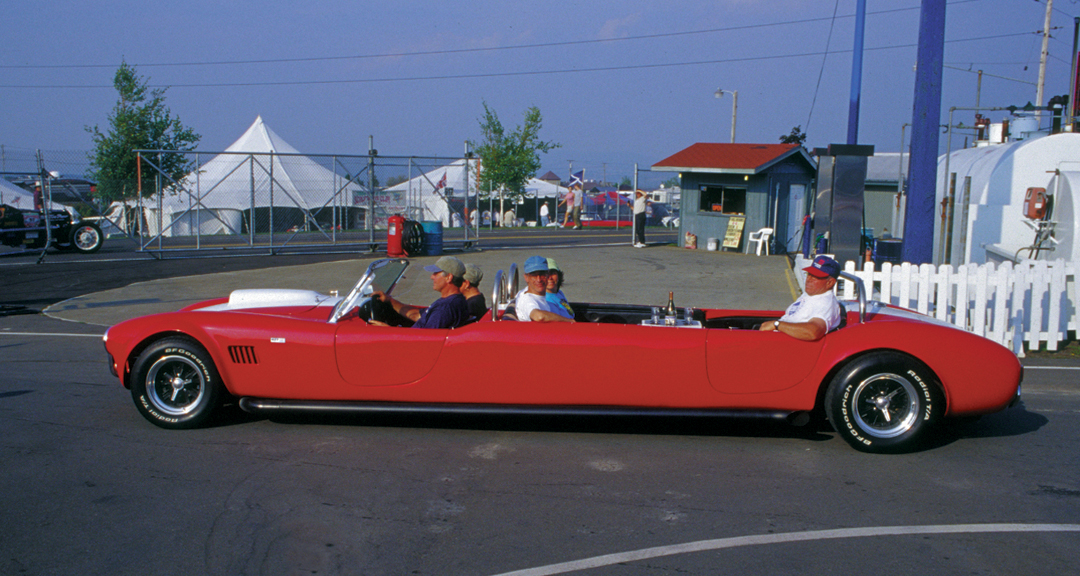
column 490, row 74
column 560, row 44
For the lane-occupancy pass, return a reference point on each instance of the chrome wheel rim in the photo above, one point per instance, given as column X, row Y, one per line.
column 885, row 406
column 175, row 385
column 86, row 237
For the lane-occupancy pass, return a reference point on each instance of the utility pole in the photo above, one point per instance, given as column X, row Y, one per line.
column 1042, row 58
column 925, row 121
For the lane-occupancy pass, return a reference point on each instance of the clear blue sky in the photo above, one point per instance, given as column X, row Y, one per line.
column 617, row 82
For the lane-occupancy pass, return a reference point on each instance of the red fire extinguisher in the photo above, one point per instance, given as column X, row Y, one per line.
column 396, row 225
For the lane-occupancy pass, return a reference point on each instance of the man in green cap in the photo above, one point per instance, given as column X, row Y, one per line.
column 449, row 311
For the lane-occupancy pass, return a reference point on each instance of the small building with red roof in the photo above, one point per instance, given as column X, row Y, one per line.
column 763, row 185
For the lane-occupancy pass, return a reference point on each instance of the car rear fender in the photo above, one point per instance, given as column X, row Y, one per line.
column 975, row 374
column 839, row 363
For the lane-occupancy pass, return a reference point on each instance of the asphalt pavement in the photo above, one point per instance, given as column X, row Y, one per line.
column 594, row 273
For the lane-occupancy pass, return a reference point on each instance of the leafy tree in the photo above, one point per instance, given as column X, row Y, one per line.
column 672, row 182
column 510, row 159
column 139, row 120
column 626, row 183
column 797, row 136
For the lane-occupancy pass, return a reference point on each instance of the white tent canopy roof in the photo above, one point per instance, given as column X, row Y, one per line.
column 13, row 195
column 428, row 190
column 239, row 178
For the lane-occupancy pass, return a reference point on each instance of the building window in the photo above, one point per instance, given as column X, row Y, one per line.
column 723, row 200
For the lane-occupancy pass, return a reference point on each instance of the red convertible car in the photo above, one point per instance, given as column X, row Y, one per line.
column 884, row 379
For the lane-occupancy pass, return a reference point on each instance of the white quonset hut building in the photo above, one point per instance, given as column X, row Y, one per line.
column 989, row 184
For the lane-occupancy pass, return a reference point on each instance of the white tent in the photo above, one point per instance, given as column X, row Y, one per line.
column 259, row 170
column 431, row 194
column 13, row 195
column 544, row 189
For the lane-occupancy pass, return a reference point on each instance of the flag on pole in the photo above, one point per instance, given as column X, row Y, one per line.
column 442, row 182
column 577, row 178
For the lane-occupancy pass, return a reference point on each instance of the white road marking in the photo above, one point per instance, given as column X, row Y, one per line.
column 1051, row 367
column 58, row 334
column 721, row 543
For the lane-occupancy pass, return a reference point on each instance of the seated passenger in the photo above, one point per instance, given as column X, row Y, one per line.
column 470, row 289
column 554, row 287
column 817, row 311
column 532, row 303
column 449, row 311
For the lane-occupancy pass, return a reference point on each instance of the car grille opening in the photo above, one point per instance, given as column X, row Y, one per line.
column 243, row 355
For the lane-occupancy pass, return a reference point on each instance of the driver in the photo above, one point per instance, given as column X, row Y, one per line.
column 817, row 311
column 449, row 311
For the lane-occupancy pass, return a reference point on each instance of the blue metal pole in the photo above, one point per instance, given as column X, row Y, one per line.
column 925, row 122
column 856, row 73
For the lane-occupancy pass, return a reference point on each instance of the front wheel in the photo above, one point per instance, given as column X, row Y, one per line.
column 884, row 402
column 175, row 385
column 86, row 237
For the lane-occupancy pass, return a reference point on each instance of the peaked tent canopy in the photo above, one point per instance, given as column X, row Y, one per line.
column 13, row 195
column 219, row 194
column 438, row 193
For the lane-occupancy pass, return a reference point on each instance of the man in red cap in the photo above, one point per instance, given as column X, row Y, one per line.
column 817, row 311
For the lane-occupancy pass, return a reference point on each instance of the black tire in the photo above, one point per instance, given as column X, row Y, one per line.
column 884, row 402
column 86, row 237
column 175, row 385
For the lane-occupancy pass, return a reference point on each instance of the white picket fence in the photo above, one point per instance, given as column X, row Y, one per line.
column 1013, row 304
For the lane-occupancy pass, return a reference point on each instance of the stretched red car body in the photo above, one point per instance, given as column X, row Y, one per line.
column 294, row 355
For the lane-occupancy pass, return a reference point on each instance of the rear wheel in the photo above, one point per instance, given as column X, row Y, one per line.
column 884, row 402
column 86, row 237
column 175, row 385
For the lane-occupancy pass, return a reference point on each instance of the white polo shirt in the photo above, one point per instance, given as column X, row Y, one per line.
column 805, row 308
column 526, row 302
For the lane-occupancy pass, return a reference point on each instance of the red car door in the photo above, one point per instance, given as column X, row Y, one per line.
column 750, row 362
column 385, row 355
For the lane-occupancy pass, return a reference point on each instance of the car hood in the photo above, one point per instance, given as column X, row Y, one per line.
column 295, row 300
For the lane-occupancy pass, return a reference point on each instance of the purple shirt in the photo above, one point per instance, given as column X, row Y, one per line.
column 448, row 312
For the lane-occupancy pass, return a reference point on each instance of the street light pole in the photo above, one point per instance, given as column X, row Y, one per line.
column 734, row 107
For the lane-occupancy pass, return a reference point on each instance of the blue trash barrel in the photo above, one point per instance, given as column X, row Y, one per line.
column 432, row 237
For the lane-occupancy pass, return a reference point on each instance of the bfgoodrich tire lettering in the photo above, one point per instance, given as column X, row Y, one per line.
column 175, row 385
column 884, row 402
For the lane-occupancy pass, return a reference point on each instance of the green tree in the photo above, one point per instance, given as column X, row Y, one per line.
column 797, row 136
column 139, row 120
column 510, row 159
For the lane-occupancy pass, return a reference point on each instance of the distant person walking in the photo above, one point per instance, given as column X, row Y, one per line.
column 567, row 201
column 544, row 213
column 579, row 200
column 640, row 209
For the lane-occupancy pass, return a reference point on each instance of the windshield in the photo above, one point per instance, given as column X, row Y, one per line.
column 381, row 276
column 386, row 274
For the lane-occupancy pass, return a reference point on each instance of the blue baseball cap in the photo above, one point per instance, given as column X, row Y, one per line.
column 536, row 264
column 823, row 267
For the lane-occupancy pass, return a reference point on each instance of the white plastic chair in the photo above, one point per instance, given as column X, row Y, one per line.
column 761, row 237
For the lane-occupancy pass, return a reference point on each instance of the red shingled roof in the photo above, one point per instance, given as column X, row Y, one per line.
column 734, row 157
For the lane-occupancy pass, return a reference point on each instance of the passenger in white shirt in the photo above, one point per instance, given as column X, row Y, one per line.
column 817, row 311
column 532, row 304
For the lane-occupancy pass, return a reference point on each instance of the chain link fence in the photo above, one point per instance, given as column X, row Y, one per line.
column 240, row 200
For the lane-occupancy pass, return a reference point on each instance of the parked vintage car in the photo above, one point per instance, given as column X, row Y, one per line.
column 883, row 380
column 22, row 227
